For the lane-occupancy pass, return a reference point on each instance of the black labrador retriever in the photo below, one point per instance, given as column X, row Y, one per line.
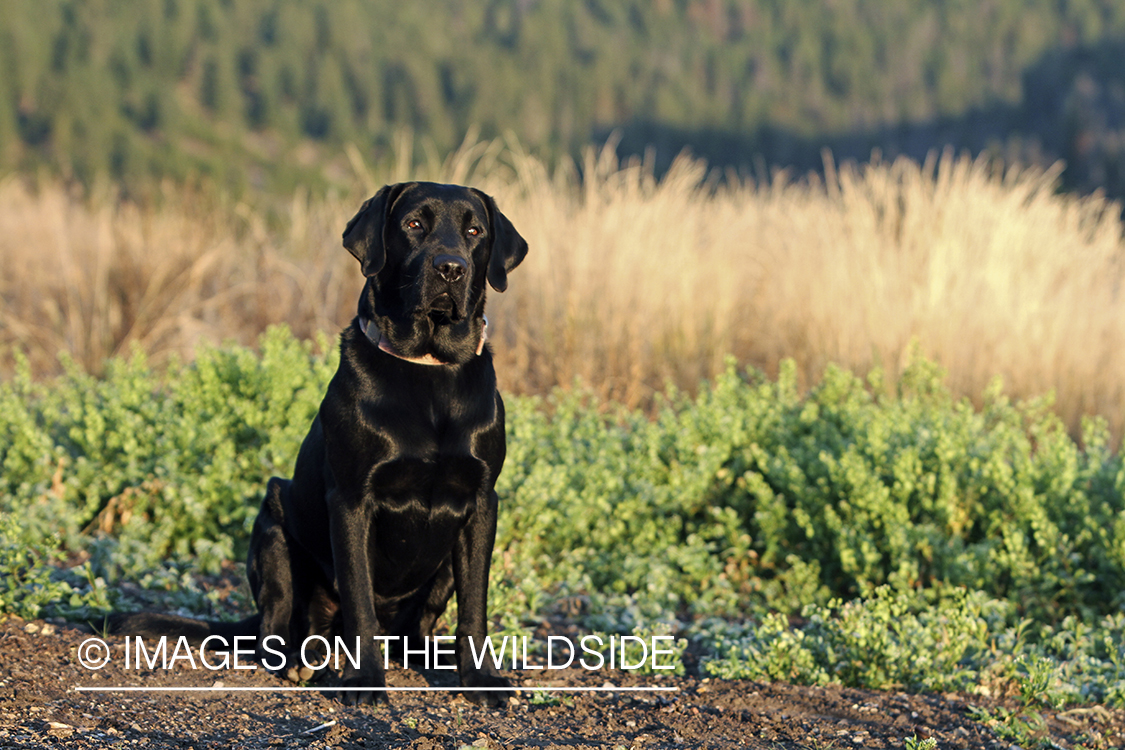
column 392, row 506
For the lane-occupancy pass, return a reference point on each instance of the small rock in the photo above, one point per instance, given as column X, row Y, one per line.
column 60, row 730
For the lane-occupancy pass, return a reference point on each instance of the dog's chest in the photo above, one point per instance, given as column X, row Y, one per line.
column 419, row 452
column 424, row 495
column 442, row 481
column 429, row 465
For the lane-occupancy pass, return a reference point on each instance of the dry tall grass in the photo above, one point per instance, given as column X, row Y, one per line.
column 93, row 277
column 631, row 281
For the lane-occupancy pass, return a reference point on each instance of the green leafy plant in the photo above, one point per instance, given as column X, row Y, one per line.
column 33, row 585
column 913, row 743
column 1017, row 726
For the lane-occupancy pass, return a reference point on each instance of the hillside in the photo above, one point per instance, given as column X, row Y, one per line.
column 267, row 93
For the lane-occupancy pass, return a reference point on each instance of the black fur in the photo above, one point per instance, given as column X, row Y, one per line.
column 392, row 506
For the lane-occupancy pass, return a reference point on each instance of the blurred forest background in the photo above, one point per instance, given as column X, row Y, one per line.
column 265, row 94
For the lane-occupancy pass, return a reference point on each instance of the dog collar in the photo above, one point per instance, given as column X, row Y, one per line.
column 384, row 344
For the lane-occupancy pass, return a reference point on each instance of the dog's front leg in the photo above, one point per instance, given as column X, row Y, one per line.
column 351, row 529
column 472, row 555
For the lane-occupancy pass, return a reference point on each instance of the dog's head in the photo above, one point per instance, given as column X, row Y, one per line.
column 427, row 250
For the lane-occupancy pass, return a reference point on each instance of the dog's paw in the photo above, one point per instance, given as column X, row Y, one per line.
column 297, row 672
column 491, row 698
column 292, row 669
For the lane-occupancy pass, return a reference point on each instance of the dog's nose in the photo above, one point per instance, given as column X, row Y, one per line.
column 450, row 267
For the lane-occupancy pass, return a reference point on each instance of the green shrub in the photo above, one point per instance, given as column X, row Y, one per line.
column 751, row 497
column 911, row 640
column 169, row 465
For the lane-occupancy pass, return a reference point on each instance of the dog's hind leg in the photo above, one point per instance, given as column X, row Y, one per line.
column 270, row 571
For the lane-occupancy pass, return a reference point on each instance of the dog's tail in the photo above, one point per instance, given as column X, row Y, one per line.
column 157, row 624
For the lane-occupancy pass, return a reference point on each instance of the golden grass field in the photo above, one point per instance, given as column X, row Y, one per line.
column 631, row 282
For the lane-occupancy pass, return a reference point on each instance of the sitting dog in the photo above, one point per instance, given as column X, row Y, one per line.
column 392, row 504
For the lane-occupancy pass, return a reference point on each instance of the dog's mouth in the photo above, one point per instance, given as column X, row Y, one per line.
column 443, row 310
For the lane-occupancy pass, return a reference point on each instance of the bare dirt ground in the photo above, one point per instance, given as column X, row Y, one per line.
column 39, row 707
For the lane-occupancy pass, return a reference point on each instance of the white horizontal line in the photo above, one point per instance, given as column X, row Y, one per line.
column 85, row 689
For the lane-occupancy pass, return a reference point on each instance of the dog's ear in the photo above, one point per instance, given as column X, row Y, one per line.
column 508, row 248
column 364, row 235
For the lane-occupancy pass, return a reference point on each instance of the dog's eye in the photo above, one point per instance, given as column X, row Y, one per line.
column 413, row 224
column 473, row 231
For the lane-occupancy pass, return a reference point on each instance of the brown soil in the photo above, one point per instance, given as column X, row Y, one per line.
column 39, row 707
